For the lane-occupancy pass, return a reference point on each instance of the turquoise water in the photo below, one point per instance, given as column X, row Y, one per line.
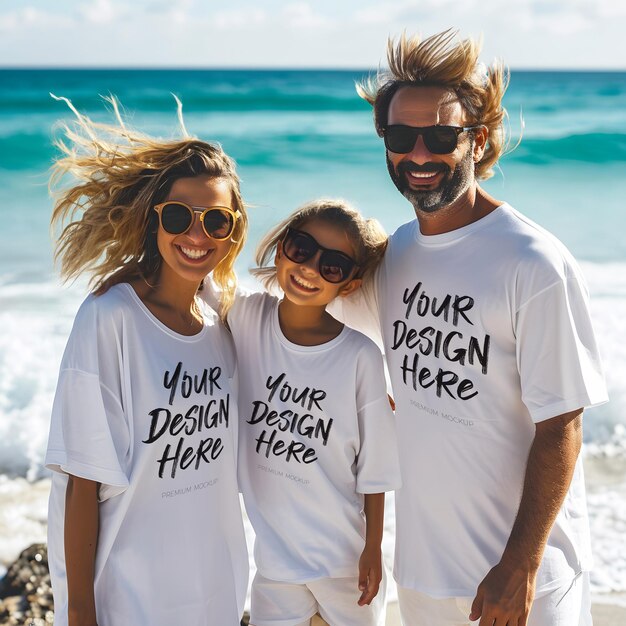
column 296, row 135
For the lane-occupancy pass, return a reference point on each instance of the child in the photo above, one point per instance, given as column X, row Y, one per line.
column 317, row 447
column 144, row 519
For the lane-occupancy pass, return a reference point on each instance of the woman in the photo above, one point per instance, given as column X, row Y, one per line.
column 144, row 520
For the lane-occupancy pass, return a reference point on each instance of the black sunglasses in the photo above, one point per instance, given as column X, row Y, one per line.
column 176, row 218
column 437, row 139
column 334, row 266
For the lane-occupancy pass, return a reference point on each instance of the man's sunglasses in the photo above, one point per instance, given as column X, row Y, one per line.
column 176, row 218
column 437, row 139
column 334, row 266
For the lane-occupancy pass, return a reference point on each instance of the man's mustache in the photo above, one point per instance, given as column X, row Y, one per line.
column 426, row 167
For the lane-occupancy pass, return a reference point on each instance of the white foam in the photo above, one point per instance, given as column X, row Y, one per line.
column 605, row 426
column 35, row 322
column 607, row 518
column 23, row 516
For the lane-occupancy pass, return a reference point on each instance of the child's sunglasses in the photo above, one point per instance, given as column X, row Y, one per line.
column 334, row 266
column 176, row 218
column 437, row 139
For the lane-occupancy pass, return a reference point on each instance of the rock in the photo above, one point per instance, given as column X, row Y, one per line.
column 25, row 593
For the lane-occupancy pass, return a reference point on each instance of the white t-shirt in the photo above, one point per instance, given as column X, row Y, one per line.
column 486, row 331
column 316, row 433
column 152, row 416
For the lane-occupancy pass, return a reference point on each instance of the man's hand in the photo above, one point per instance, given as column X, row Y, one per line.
column 370, row 573
column 505, row 596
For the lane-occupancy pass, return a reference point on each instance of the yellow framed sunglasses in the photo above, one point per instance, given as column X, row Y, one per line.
column 176, row 218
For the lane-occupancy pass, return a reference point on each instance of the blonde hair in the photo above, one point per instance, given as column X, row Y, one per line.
column 438, row 61
column 122, row 174
column 367, row 237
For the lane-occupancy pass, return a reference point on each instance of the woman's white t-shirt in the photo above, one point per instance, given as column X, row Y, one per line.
column 151, row 415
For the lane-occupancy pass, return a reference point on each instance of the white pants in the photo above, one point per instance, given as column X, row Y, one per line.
column 567, row 605
column 275, row 603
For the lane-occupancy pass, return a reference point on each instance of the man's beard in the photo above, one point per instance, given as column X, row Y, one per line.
column 453, row 184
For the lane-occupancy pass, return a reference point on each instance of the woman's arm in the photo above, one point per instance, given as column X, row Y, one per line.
column 370, row 563
column 81, row 538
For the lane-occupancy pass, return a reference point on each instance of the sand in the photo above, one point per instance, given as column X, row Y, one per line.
column 603, row 615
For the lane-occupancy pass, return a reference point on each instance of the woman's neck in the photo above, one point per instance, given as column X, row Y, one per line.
column 307, row 326
column 172, row 302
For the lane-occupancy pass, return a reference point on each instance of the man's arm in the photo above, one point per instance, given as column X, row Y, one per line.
column 81, row 537
column 506, row 593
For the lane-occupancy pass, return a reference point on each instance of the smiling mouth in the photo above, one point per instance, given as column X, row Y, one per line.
column 422, row 178
column 305, row 285
column 192, row 254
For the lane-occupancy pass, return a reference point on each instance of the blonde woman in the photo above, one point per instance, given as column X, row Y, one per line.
column 144, row 520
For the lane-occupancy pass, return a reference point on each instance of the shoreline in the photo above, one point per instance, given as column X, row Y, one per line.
column 23, row 521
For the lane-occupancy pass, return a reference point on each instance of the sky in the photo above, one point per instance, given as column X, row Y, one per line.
column 526, row 34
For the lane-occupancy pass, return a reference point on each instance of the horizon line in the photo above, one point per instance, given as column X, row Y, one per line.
column 241, row 68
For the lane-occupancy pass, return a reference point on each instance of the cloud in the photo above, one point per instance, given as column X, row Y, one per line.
column 102, row 11
column 610, row 8
column 240, row 18
column 324, row 33
column 30, row 17
column 301, row 15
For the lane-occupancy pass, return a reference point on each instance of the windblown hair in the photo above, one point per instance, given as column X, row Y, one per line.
column 367, row 237
column 439, row 61
column 122, row 174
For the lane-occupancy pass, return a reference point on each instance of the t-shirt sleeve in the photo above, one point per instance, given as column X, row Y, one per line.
column 89, row 433
column 557, row 355
column 359, row 310
column 247, row 303
column 378, row 468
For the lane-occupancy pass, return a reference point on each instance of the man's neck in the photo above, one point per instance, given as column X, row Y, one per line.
column 469, row 208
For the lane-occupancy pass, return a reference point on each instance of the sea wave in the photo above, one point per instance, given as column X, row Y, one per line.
column 593, row 147
column 25, row 151
column 33, row 150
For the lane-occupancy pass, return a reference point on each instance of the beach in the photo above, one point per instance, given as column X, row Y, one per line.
column 297, row 135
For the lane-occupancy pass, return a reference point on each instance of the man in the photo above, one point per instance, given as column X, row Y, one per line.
column 485, row 324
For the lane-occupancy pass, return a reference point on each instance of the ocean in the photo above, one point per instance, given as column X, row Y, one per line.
column 297, row 135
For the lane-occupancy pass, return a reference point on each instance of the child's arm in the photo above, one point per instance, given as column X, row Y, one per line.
column 81, row 536
column 370, row 563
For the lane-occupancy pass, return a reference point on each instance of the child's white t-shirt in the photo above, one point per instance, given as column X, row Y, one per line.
column 151, row 415
column 316, row 433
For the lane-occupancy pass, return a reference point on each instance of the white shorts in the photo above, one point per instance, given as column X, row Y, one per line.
column 567, row 605
column 275, row 603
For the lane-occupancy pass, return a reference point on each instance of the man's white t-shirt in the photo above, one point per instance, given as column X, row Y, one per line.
column 486, row 331
column 151, row 415
column 316, row 433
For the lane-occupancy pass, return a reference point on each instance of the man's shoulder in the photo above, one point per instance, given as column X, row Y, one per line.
column 402, row 240
column 535, row 246
column 404, row 232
